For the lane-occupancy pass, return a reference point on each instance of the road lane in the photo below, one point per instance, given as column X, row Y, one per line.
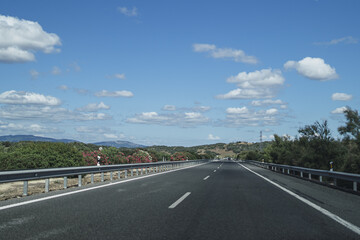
column 231, row 204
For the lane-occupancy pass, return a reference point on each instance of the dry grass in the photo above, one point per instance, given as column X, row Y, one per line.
column 15, row 189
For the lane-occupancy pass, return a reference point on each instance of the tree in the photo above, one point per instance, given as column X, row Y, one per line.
column 352, row 128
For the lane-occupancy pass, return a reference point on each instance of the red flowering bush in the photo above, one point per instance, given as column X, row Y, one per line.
column 91, row 158
column 178, row 156
column 139, row 156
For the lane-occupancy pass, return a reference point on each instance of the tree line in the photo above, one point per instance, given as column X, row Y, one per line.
column 315, row 147
column 34, row 155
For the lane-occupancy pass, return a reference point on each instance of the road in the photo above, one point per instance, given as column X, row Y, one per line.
column 218, row 200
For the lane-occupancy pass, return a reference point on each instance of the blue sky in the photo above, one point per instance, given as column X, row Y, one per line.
column 176, row 72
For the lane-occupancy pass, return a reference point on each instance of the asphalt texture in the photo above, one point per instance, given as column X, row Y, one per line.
column 229, row 203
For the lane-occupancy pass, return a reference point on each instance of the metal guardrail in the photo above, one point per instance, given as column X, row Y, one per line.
column 354, row 178
column 139, row 168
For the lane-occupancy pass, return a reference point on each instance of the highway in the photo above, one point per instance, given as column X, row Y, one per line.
column 217, row 200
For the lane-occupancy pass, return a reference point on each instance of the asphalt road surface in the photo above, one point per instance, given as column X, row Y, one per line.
column 218, row 200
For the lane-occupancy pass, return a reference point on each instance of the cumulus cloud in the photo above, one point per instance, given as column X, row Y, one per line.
column 20, row 39
column 339, row 110
column 105, row 93
column 212, row 137
column 313, row 68
column 93, row 107
column 128, row 12
column 341, row 97
column 187, row 119
column 238, row 117
column 345, row 40
column 21, row 97
column 236, row 55
column 262, row 78
column 258, row 84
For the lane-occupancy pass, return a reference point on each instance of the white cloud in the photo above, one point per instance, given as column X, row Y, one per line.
column 267, row 102
column 105, row 93
column 47, row 113
column 243, row 110
column 119, row 76
column 188, row 119
column 341, row 97
column 21, row 38
column 236, row 55
column 110, row 135
column 26, row 128
column 212, row 137
column 128, row 12
column 239, row 117
column 271, row 111
column 93, row 107
column 169, row 108
column 345, row 40
column 258, row 84
column 313, row 68
column 339, row 110
column 247, row 94
column 20, row 97
column 262, row 78
column 199, row 47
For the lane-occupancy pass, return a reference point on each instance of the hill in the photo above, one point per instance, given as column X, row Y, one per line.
column 120, row 144
column 20, row 138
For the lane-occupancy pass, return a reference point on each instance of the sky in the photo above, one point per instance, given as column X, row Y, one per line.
column 176, row 73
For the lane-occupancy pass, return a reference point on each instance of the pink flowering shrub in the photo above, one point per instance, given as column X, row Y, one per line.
column 139, row 156
column 178, row 156
column 91, row 158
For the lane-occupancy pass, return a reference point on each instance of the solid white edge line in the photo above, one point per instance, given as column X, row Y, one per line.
column 206, row 177
column 336, row 218
column 91, row 188
column 179, row 200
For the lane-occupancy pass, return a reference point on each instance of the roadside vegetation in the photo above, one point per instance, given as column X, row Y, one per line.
column 313, row 148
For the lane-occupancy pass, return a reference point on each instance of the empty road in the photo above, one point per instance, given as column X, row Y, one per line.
column 217, row 200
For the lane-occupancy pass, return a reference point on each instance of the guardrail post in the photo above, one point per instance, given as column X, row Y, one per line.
column 301, row 174
column 310, row 176
column 119, row 176
column 25, row 189
column 146, row 170
column 65, row 182
column 111, row 176
column 125, row 173
column 47, row 183
column 131, row 172
column 283, row 170
column 102, row 176
column 335, row 182
column 288, row 171
column 79, row 180
column 320, row 178
column 92, row 178
column 355, row 186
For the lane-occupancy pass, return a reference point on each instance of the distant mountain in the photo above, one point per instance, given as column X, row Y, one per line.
column 120, row 144
column 19, row 138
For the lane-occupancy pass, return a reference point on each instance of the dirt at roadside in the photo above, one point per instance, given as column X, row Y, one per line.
column 15, row 189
